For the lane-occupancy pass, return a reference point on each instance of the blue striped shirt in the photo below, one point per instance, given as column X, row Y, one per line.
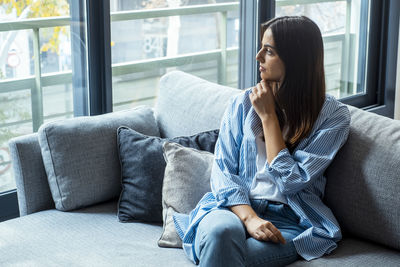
column 299, row 176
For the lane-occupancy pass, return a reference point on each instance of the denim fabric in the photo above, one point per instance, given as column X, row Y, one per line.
column 222, row 239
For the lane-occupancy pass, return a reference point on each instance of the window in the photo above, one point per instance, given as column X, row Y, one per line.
column 35, row 77
column 35, row 72
column 363, row 36
column 196, row 36
column 343, row 25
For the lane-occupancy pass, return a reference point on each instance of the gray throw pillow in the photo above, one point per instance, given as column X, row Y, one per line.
column 186, row 180
column 80, row 155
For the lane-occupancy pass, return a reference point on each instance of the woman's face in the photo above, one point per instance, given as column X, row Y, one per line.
column 271, row 66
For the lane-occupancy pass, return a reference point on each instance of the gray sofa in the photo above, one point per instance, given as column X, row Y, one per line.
column 362, row 190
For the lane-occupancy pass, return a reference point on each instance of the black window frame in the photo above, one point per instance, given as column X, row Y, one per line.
column 8, row 205
column 93, row 86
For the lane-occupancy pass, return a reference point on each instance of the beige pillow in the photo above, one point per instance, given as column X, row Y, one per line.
column 186, row 180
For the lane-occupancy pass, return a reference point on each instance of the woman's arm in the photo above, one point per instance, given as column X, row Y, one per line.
column 227, row 186
column 274, row 142
column 263, row 102
column 295, row 172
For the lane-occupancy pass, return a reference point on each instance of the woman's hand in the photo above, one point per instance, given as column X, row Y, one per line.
column 263, row 230
column 262, row 98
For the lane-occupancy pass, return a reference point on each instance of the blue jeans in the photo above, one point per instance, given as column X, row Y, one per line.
column 222, row 240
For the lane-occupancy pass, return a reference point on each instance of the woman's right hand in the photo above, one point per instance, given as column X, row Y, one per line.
column 263, row 230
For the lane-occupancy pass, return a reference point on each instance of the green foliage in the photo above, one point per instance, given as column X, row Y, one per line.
column 41, row 9
column 13, row 107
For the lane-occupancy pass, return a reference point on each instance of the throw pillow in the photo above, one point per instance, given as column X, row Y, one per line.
column 142, row 171
column 80, row 155
column 186, row 180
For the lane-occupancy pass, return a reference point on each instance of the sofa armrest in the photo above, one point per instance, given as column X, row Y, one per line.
column 30, row 176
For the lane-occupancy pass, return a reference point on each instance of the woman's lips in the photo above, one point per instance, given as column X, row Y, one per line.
column 261, row 69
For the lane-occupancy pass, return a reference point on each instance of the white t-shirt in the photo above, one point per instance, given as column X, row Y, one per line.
column 264, row 186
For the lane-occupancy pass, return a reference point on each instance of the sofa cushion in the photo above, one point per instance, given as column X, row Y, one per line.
column 187, row 104
column 186, row 180
column 355, row 252
column 93, row 237
column 30, row 176
column 363, row 182
column 87, row 237
column 143, row 166
column 81, row 158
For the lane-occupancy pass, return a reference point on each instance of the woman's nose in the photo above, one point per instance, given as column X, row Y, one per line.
column 259, row 57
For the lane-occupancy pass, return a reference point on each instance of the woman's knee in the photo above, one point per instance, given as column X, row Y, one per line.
column 222, row 225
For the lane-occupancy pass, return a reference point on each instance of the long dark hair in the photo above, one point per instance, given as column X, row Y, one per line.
column 301, row 95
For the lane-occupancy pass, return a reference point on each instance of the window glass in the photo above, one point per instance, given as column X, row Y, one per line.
column 35, row 71
column 196, row 36
column 344, row 26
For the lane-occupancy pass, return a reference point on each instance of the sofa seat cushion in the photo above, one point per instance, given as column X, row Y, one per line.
column 355, row 252
column 93, row 237
column 87, row 237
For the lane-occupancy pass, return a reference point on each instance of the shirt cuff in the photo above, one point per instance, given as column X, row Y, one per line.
column 281, row 158
column 233, row 197
column 280, row 167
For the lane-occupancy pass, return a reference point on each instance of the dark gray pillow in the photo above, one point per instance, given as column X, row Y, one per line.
column 142, row 171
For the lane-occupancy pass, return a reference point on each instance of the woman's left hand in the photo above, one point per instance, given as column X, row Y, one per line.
column 262, row 98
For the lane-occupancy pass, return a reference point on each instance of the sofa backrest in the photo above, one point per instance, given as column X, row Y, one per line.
column 33, row 190
column 187, row 105
column 363, row 181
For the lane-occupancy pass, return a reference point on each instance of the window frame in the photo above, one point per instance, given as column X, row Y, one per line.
column 8, row 205
column 98, row 26
column 381, row 60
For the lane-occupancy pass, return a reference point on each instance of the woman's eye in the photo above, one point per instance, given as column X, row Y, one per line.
column 269, row 51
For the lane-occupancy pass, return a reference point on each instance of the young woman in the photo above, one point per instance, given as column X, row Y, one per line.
column 276, row 140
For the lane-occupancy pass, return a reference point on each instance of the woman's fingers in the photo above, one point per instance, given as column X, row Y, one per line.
column 266, row 235
column 270, row 233
column 254, row 91
column 257, row 90
column 263, row 230
column 271, row 236
column 276, row 233
column 263, row 87
column 260, row 235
